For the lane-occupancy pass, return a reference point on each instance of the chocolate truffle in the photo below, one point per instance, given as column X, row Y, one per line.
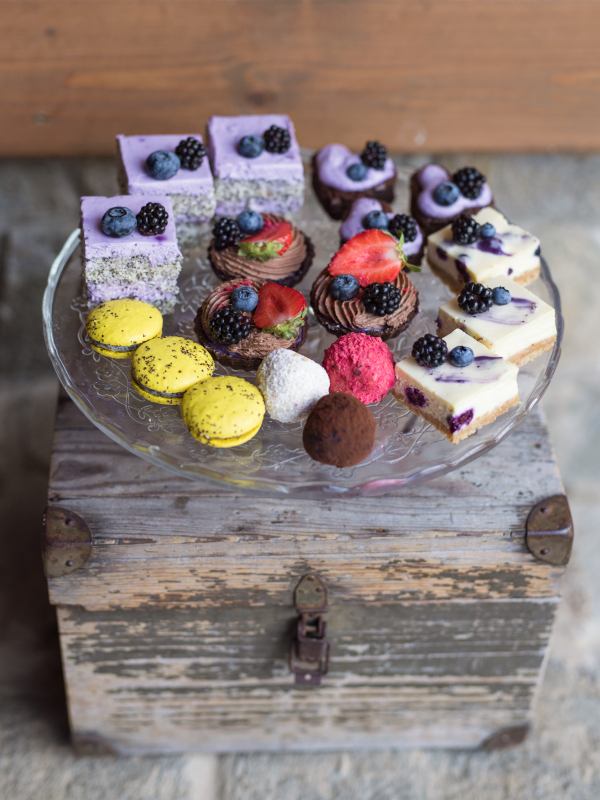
column 340, row 430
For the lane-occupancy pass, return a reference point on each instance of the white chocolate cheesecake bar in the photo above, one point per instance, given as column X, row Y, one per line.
column 521, row 330
column 458, row 400
column 511, row 252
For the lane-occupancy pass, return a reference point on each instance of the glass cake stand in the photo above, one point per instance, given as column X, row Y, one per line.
column 407, row 450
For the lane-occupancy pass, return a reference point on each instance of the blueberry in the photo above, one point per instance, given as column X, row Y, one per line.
column 162, row 165
column 344, row 287
column 376, row 219
column 250, row 146
column 500, row 296
column 357, row 172
column 244, row 298
column 118, row 221
column 461, row 356
column 250, row 222
column 487, row 230
column 446, row 193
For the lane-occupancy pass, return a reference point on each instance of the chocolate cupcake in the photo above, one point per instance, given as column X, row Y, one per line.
column 260, row 247
column 436, row 198
column 340, row 177
column 367, row 213
column 242, row 321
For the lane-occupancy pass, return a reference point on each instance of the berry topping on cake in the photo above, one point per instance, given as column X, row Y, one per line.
column 250, row 222
column 344, row 287
column 461, row 356
column 470, row 182
column 277, row 140
column 357, row 172
column 230, row 326
column 381, row 299
column 226, row 233
column 250, row 146
column 402, row 223
column 501, row 296
column 280, row 311
column 446, row 193
column 371, row 256
column 244, row 298
column 465, row 230
column 152, row 219
column 162, row 165
column 118, row 222
column 475, row 298
column 430, row 350
column 374, row 155
column 270, row 242
column 191, row 153
column 376, row 219
column 487, row 231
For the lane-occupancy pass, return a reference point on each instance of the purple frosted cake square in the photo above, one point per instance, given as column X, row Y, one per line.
column 272, row 183
column 134, row 266
column 192, row 192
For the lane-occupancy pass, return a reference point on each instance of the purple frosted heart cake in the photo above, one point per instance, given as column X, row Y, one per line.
column 185, row 176
column 368, row 213
column 257, row 164
column 130, row 250
column 340, row 177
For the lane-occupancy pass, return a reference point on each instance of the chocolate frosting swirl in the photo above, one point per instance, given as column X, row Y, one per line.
column 259, row 343
column 227, row 261
column 351, row 314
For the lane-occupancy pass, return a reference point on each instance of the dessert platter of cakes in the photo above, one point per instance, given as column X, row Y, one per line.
column 232, row 321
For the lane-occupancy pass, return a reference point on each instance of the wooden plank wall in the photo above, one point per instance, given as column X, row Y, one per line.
column 441, row 75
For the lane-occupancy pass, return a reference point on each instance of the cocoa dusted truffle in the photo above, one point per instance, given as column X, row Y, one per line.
column 340, row 430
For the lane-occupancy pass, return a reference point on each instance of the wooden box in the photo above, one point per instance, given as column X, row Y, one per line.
column 177, row 608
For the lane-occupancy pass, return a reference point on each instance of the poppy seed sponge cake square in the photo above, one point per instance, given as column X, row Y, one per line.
column 135, row 266
column 510, row 251
column 458, row 400
column 519, row 328
column 256, row 164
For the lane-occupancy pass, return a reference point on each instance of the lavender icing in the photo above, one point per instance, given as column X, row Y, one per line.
column 157, row 249
column 483, row 369
column 429, row 178
column 334, row 159
column 136, row 149
column 354, row 223
column 224, row 134
column 517, row 312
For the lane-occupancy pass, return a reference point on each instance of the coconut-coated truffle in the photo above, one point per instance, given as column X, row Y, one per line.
column 291, row 384
column 340, row 430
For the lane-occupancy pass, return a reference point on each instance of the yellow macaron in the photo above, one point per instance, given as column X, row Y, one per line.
column 118, row 327
column 223, row 411
column 163, row 369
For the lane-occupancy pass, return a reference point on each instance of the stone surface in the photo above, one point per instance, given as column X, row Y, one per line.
column 558, row 199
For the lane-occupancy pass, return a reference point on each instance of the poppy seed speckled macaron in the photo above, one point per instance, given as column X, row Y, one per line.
column 118, row 327
column 163, row 369
column 223, row 411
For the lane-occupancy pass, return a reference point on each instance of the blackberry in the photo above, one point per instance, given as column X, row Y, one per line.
column 469, row 180
column 230, row 326
column 191, row 153
column 226, row 232
column 465, row 230
column 402, row 223
column 374, row 155
column 152, row 219
column 277, row 140
column 381, row 299
column 430, row 350
column 475, row 298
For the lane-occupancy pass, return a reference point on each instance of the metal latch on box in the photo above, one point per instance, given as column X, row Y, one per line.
column 309, row 656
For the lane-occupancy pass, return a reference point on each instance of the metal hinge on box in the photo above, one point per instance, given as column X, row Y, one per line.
column 66, row 541
column 550, row 530
column 309, row 656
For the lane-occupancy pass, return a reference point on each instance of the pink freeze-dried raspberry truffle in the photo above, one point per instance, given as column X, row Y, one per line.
column 360, row 365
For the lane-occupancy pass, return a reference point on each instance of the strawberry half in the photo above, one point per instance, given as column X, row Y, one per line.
column 280, row 311
column 270, row 242
column 371, row 256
